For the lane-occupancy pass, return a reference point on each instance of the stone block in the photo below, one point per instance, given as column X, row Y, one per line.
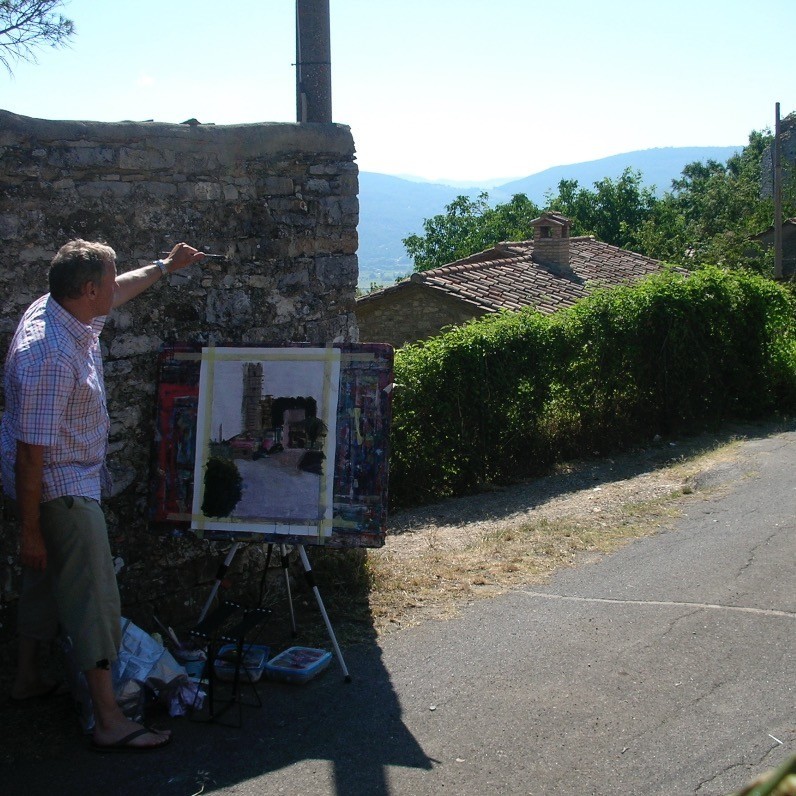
column 293, row 279
column 278, row 186
column 228, row 309
column 258, row 282
column 207, row 191
column 348, row 185
column 70, row 157
column 342, row 270
column 127, row 345
column 160, row 190
column 35, row 254
column 9, row 226
column 331, row 211
column 319, row 187
column 99, row 190
column 326, row 169
column 145, row 159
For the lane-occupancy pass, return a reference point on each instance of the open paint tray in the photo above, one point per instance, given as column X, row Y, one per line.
column 297, row 664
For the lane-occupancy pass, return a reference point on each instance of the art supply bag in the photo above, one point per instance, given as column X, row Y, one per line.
column 145, row 671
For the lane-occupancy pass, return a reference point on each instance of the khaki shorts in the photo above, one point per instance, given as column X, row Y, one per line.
column 78, row 589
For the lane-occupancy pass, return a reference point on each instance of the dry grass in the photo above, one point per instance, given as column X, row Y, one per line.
column 428, row 571
column 436, row 580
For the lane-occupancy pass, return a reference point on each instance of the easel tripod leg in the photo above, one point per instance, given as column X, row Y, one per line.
column 311, row 581
column 284, row 561
column 222, row 570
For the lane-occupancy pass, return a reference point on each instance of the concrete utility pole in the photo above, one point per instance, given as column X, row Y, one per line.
column 313, row 62
column 777, row 197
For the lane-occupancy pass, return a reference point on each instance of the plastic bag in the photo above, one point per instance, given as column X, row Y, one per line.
column 144, row 671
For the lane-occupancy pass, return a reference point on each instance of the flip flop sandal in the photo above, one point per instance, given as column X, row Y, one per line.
column 123, row 744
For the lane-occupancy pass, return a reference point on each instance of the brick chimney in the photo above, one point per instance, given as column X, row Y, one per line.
column 551, row 243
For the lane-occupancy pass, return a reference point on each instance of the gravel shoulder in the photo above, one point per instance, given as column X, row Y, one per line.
column 440, row 556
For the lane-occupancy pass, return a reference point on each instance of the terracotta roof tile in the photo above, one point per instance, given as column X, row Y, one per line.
column 506, row 277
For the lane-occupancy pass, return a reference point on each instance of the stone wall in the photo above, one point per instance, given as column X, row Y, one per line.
column 406, row 313
column 279, row 200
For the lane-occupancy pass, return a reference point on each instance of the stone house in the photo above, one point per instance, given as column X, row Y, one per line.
column 550, row 272
column 766, row 238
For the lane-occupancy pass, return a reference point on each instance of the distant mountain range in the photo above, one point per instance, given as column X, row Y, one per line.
column 391, row 208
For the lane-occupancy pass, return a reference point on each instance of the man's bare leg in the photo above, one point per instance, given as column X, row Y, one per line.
column 110, row 724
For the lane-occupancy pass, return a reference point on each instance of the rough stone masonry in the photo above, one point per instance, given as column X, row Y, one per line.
column 279, row 200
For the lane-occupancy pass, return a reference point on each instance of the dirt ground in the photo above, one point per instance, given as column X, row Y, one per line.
column 439, row 557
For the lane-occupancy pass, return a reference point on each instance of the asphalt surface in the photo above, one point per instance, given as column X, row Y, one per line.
column 664, row 668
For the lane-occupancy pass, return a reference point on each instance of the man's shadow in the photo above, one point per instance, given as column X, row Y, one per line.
column 356, row 726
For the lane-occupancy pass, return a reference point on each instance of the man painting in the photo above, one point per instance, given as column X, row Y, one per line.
column 54, row 440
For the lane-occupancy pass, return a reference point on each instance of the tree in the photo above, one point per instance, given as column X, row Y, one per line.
column 613, row 212
column 714, row 210
column 468, row 226
column 709, row 216
column 28, row 24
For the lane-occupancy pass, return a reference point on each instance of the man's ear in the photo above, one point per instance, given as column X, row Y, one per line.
column 89, row 289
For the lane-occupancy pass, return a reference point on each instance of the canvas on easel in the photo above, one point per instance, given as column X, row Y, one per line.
column 287, row 442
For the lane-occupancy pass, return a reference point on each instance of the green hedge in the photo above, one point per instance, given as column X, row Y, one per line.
column 508, row 395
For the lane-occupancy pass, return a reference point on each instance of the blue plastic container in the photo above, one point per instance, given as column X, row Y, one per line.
column 194, row 669
column 254, row 656
column 297, row 664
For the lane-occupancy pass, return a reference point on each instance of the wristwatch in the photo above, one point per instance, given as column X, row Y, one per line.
column 162, row 265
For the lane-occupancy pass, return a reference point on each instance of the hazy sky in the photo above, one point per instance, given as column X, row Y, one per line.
column 443, row 89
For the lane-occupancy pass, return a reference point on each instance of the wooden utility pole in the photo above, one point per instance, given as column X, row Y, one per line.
column 313, row 62
column 777, row 197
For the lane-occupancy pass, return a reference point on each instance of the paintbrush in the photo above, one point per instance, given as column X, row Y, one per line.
column 168, row 631
column 214, row 256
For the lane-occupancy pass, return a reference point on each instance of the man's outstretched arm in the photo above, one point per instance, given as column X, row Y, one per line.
column 133, row 283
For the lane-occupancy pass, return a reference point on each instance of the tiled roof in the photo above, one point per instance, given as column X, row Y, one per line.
column 506, row 277
column 768, row 230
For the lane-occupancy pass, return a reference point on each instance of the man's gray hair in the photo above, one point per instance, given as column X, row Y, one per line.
column 76, row 263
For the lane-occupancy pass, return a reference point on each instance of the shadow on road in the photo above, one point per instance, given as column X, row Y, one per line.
column 502, row 502
column 323, row 736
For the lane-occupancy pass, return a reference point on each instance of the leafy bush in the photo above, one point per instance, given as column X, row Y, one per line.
column 506, row 396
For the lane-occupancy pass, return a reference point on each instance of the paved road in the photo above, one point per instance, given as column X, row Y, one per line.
column 664, row 669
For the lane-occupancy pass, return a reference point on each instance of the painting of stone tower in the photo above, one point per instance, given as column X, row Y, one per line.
column 251, row 405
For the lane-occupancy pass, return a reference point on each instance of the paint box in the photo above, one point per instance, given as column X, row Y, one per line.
column 297, row 664
column 192, row 660
column 194, row 669
column 254, row 657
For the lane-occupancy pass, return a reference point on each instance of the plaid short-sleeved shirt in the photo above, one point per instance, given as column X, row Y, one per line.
column 55, row 397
